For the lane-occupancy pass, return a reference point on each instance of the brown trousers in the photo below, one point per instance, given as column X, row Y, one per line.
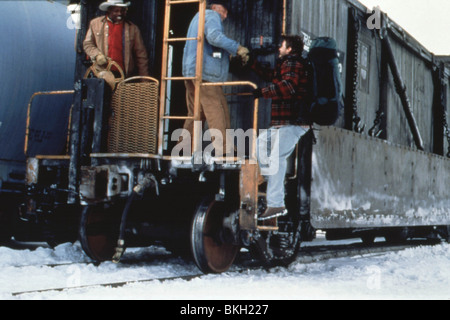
column 213, row 108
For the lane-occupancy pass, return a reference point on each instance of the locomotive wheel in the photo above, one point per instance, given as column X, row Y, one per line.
column 99, row 231
column 211, row 252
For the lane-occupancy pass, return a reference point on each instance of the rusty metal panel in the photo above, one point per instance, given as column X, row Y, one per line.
column 418, row 79
column 102, row 183
column 359, row 181
column 314, row 18
column 319, row 18
column 248, row 190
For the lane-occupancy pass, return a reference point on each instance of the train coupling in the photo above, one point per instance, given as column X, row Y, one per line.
column 102, row 183
column 147, row 181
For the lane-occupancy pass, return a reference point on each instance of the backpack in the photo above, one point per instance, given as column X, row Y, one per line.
column 326, row 101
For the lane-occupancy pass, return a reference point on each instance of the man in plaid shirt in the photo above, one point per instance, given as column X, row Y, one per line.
column 288, row 91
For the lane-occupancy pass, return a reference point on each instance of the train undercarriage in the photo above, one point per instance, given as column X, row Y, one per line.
column 109, row 198
column 209, row 211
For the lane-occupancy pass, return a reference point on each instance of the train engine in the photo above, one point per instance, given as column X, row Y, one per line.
column 119, row 183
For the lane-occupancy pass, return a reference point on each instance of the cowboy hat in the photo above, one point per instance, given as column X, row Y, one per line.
column 113, row 3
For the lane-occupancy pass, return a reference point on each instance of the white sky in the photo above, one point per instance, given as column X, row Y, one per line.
column 426, row 20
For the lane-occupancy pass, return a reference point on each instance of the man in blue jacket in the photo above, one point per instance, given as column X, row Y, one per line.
column 216, row 59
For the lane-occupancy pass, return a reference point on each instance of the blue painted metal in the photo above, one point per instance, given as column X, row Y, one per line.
column 37, row 54
column 48, row 134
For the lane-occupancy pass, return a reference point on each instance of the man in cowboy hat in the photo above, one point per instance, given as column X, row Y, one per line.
column 217, row 51
column 113, row 36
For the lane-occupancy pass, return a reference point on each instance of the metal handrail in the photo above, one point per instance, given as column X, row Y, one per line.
column 42, row 93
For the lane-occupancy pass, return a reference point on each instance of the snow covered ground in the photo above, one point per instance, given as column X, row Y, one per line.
column 416, row 273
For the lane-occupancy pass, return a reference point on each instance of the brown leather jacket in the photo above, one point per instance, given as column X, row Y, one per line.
column 135, row 54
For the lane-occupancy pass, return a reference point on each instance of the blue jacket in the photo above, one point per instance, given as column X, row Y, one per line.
column 217, row 49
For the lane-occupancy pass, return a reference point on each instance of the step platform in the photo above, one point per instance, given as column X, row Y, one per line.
column 268, row 225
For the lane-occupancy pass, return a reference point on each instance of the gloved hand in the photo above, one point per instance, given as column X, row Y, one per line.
column 243, row 53
column 101, row 60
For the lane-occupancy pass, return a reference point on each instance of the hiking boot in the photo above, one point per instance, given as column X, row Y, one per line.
column 272, row 213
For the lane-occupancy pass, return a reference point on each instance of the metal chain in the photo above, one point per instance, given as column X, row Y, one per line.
column 356, row 118
column 444, row 113
column 376, row 123
column 447, row 132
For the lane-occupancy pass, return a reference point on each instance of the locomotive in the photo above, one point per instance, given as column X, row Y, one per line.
column 37, row 58
column 115, row 182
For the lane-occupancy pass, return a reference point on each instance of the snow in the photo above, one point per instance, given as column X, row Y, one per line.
column 415, row 273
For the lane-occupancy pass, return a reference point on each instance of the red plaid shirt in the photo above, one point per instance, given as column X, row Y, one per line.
column 289, row 88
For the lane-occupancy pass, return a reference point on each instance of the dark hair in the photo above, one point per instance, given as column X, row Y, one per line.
column 295, row 42
column 223, row 3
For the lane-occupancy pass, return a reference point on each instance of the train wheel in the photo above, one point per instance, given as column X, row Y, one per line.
column 397, row 235
column 99, row 231
column 368, row 239
column 211, row 252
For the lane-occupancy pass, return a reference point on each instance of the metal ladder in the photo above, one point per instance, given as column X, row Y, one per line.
column 249, row 216
column 163, row 116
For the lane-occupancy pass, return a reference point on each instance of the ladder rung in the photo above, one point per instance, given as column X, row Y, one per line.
column 179, row 78
column 52, row 157
column 268, row 225
column 183, row 1
column 180, row 39
column 177, row 118
column 267, row 228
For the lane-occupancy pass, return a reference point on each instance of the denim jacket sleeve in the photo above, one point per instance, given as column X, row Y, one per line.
column 215, row 36
column 215, row 66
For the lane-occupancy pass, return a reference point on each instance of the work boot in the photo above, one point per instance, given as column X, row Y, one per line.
column 272, row 213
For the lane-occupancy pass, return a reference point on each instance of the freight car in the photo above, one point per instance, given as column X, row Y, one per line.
column 381, row 171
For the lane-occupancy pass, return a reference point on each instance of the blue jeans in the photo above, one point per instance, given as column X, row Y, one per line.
column 275, row 145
